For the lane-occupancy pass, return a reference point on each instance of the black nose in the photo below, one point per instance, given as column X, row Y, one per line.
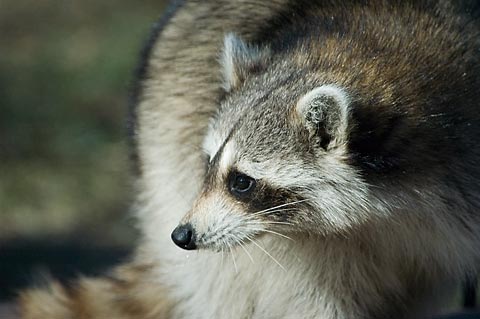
column 183, row 237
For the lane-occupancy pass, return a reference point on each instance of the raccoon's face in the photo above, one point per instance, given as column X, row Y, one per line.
column 275, row 160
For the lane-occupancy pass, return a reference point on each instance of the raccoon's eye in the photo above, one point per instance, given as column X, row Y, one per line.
column 240, row 184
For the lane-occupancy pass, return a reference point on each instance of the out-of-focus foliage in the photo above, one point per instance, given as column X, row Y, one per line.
column 65, row 72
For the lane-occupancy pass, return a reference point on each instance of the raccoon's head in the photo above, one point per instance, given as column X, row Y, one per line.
column 276, row 156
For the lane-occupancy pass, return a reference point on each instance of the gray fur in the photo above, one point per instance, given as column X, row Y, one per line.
column 387, row 214
column 238, row 59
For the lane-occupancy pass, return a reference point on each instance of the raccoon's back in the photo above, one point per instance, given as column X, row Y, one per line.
column 412, row 69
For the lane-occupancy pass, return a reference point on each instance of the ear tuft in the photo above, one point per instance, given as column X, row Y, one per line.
column 238, row 59
column 324, row 111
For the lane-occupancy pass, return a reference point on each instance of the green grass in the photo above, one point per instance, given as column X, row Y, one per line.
column 65, row 71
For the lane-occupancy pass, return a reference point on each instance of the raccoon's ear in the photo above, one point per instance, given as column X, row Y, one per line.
column 324, row 112
column 239, row 59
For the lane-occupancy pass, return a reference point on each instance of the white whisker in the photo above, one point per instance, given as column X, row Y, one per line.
column 278, row 234
column 246, row 251
column 279, row 206
column 223, row 257
column 264, row 222
column 258, row 229
column 273, row 211
column 233, row 258
column 266, row 252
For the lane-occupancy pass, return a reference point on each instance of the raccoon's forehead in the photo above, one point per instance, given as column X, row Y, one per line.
column 255, row 136
column 214, row 142
column 217, row 136
column 256, row 117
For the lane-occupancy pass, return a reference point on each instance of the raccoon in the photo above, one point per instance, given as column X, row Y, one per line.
column 313, row 159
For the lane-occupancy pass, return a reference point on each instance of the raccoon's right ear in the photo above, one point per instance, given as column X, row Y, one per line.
column 325, row 113
column 239, row 59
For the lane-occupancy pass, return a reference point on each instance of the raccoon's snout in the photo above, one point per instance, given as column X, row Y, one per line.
column 184, row 237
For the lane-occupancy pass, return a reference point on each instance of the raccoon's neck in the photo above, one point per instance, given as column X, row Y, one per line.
column 305, row 278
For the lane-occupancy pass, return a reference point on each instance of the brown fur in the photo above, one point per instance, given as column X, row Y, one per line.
column 126, row 294
column 179, row 89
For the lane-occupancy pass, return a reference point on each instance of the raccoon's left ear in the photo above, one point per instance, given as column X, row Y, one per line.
column 324, row 112
column 239, row 59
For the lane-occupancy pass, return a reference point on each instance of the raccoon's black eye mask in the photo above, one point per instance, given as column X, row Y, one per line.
column 240, row 185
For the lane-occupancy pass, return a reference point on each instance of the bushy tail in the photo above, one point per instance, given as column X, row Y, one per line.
column 126, row 294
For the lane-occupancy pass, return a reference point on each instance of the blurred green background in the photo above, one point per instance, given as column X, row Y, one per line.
column 66, row 69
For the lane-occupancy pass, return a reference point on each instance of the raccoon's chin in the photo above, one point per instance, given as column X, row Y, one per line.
column 213, row 247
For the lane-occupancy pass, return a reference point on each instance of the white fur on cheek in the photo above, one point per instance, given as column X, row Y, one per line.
column 333, row 187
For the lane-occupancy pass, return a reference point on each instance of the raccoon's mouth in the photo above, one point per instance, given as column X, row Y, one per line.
column 224, row 240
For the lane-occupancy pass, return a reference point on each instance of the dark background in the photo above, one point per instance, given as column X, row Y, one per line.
column 66, row 69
